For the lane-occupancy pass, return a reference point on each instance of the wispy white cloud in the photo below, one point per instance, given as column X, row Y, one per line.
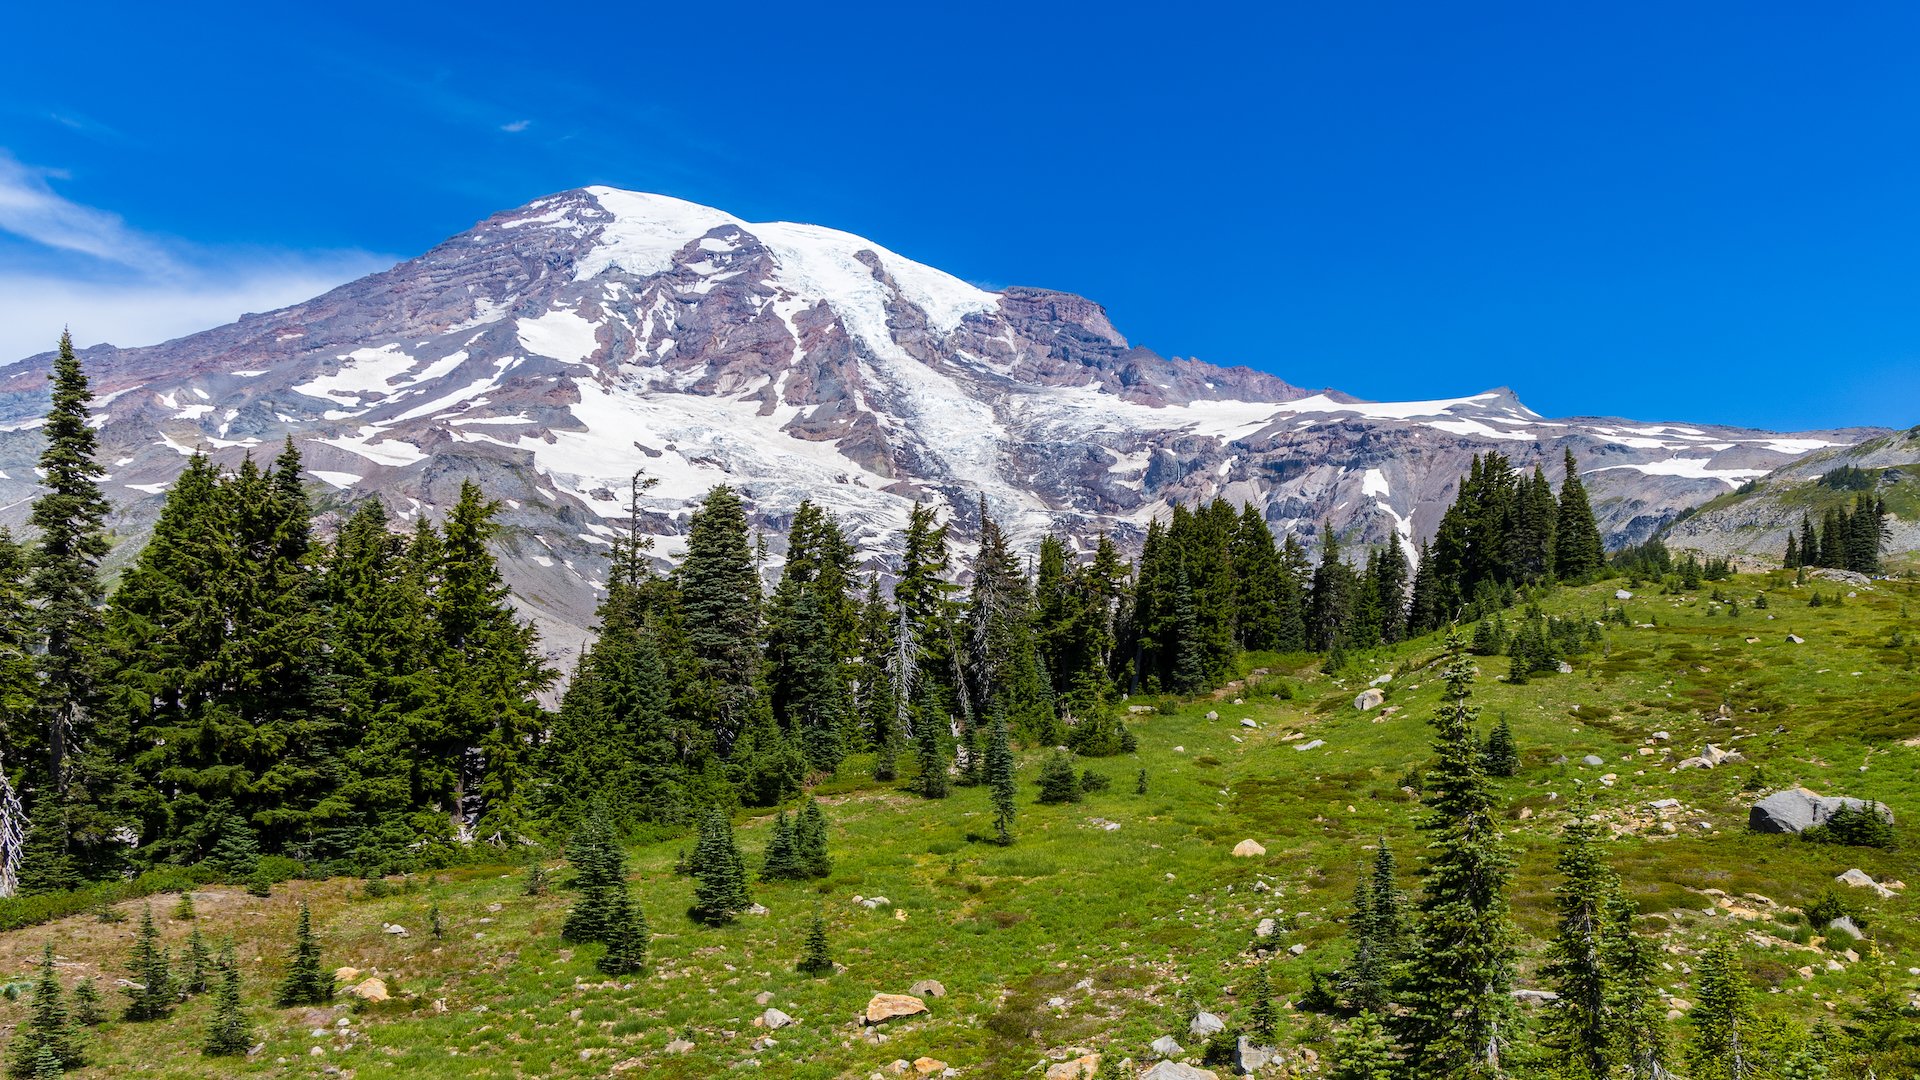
column 112, row 283
column 516, row 127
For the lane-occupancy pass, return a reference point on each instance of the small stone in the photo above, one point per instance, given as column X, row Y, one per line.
column 1314, row 745
column 1247, row 849
column 1174, row 1070
column 929, row 1066
column 679, row 1046
column 395, row 929
column 1084, row 1067
column 1211, row 715
column 1796, row 639
column 1593, row 759
column 1205, row 1024
column 885, row 1007
column 1166, row 1047
column 1369, row 699
column 1622, row 594
column 370, row 991
column 1264, row 929
column 755, row 909
column 927, row 988
column 773, row 1020
column 763, row 997
column 1845, row 925
column 1247, row 722
column 1296, row 949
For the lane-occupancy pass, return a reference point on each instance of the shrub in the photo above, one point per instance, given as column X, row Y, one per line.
column 1856, row 826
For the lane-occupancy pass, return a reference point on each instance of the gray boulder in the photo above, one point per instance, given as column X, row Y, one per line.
column 1844, row 925
column 1593, row 759
column 1797, row 810
column 1174, row 1070
column 1370, row 698
column 1249, row 1059
column 1206, row 1025
column 1166, row 1046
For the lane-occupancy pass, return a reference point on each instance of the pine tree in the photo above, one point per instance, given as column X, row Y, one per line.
column 1459, row 1018
column 228, row 1032
column 69, row 518
column 1000, row 780
column 1263, row 1020
column 88, row 1009
column 1362, row 1051
column 1386, row 923
column 47, row 1033
column 183, row 911
column 199, row 965
column 1502, row 754
column 1579, row 1028
column 1634, row 1001
column 235, row 854
column 305, row 983
column 720, row 878
column 1722, row 1014
column 720, row 597
column 1364, row 982
column 1058, row 782
column 1577, row 550
column 930, row 752
column 153, row 994
column 781, row 862
column 818, row 960
column 810, row 841
column 600, row 875
column 626, row 938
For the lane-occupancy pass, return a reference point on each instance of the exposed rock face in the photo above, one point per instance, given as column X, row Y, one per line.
column 1797, row 809
column 555, row 349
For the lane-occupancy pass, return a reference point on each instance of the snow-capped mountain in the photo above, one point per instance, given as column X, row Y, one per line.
column 554, row 350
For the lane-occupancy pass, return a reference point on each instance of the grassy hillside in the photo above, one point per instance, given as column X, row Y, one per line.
column 1108, row 922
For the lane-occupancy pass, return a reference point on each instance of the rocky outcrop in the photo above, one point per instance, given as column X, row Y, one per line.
column 1797, row 810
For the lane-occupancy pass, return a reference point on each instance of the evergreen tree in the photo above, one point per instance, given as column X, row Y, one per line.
column 1459, row 1017
column 626, row 938
column 305, row 983
column 1809, row 543
column 720, row 877
column 1502, row 754
column 199, row 965
column 1000, row 779
column 930, row 752
column 1721, row 1017
column 228, row 1033
column 1634, row 1001
column 1386, row 923
column 1792, row 560
column 152, row 994
column 818, row 960
column 600, row 875
column 69, row 519
column 1580, row 1029
column 1263, row 1020
column 720, row 596
column 781, row 862
column 1362, row 1051
column 48, row 1033
column 46, row 861
column 88, row 1009
column 810, row 841
column 1363, row 983
column 1057, row 780
column 1577, row 550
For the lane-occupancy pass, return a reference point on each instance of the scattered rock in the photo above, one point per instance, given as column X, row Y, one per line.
column 1296, row 949
column 1205, row 1025
column 1314, row 744
column 346, row 974
column 1247, row 722
column 1566, row 668
column 1535, row 997
column 1711, row 758
column 885, row 1007
column 1084, row 1067
column 1370, row 698
column 1798, row 809
column 679, row 1046
column 1381, row 680
column 1139, row 710
column 772, row 1020
column 927, row 988
column 872, row 902
column 1211, row 715
column 1622, row 594
column 1860, row 879
column 1247, row 849
column 1796, row 639
column 929, row 1066
column 1665, row 804
column 1661, row 736
column 370, row 990
column 1166, row 1047
column 395, row 929
column 1593, row 759
column 1174, row 1070
column 764, row 997
column 1844, row 925
column 1264, row 929
column 755, row 909
column 1249, row 1059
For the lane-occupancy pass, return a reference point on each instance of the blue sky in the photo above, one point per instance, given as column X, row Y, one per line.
column 1702, row 211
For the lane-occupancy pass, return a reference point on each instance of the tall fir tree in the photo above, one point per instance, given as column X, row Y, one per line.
column 1459, row 1021
column 1580, row 1024
column 810, row 840
column 599, row 876
column 151, row 993
column 1000, row 780
column 626, row 938
column 780, row 862
column 1577, row 549
column 1634, row 1001
column 228, row 1033
column 720, row 596
column 48, row 1032
column 720, row 876
column 1722, row 1017
column 305, row 983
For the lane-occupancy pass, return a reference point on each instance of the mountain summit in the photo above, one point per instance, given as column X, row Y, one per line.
column 554, row 350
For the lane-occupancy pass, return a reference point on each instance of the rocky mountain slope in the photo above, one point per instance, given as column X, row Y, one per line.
column 1751, row 523
column 555, row 349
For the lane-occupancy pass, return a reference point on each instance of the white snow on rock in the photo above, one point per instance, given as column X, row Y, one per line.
column 363, row 372
column 1374, row 483
column 560, row 334
column 1691, row 468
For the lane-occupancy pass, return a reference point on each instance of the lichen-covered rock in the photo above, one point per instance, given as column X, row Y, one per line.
column 885, row 1007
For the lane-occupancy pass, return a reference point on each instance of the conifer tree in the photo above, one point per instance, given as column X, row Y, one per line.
column 1579, row 1021
column 1386, row 922
column 930, row 753
column 600, row 875
column 1577, row 550
column 88, row 1009
column 1721, row 1017
column 720, row 596
column 1459, row 1020
column 183, row 911
column 69, row 518
column 48, row 1033
column 818, row 960
column 810, row 841
column 781, row 862
column 228, row 1033
column 720, row 878
column 626, row 938
column 1362, row 1051
column 152, row 994
column 46, row 861
column 1057, row 780
column 1634, row 1001
column 199, row 973
column 1263, row 1020
column 1364, row 982
column 305, row 983
column 1503, row 755
column 1000, row 781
